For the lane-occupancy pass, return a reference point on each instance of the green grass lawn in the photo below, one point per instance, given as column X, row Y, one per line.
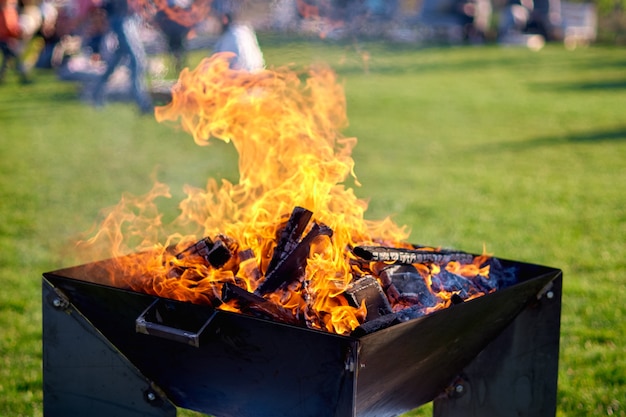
column 520, row 152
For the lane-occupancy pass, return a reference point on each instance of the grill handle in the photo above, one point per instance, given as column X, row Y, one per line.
column 163, row 318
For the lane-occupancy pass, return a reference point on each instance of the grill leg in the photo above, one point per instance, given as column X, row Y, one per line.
column 83, row 374
column 516, row 374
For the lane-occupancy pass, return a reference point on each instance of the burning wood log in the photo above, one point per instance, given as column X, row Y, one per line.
column 372, row 326
column 410, row 256
column 391, row 293
column 292, row 260
column 250, row 266
column 255, row 305
column 290, row 235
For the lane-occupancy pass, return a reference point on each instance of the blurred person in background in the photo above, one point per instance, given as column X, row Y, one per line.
column 10, row 39
column 47, row 33
column 175, row 36
column 124, row 23
column 240, row 39
column 540, row 17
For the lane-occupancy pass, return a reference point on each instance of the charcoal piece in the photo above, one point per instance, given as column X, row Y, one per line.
column 484, row 284
column 410, row 256
column 387, row 272
column 403, row 284
column 290, row 236
column 456, row 299
column 393, row 295
column 200, row 248
column 218, row 255
column 449, row 282
column 215, row 253
column 291, row 267
column 499, row 276
column 411, row 313
column 245, row 254
column 252, row 304
column 408, row 281
column 412, row 283
column 375, row 325
column 369, row 290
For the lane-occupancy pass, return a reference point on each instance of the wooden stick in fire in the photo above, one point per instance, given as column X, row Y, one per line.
column 410, row 256
column 255, row 305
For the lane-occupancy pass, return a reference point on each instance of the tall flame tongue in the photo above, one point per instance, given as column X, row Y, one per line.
column 285, row 125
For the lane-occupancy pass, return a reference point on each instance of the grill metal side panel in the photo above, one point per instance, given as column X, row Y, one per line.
column 243, row 367
column 84, row 374
column 517, row 373
column 240, row 366
column 418, row 359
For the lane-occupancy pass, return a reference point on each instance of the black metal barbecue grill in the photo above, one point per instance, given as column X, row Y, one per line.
column 113, row 352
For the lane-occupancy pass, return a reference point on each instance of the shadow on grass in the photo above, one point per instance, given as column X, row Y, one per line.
column 600, row 136
column 389, row 68
column 34, row 102
column 600, row 85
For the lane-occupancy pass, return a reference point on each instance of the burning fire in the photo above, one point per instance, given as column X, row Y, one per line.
column 286, row 127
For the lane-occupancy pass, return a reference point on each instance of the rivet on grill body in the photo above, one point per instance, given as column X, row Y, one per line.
column 350, row 364
column 60, row 303
column 458, row 389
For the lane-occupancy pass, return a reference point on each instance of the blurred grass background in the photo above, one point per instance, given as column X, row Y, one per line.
column 520, row 152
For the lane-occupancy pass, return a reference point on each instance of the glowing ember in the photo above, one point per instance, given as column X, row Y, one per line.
column 286, row 127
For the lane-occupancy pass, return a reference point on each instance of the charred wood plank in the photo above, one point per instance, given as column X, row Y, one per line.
column 369, row 290
column 410, row 256
column 291, row 267
column 255, row 305
column 290, row 236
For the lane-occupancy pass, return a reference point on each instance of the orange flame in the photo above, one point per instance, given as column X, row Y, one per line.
column 286, row 127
